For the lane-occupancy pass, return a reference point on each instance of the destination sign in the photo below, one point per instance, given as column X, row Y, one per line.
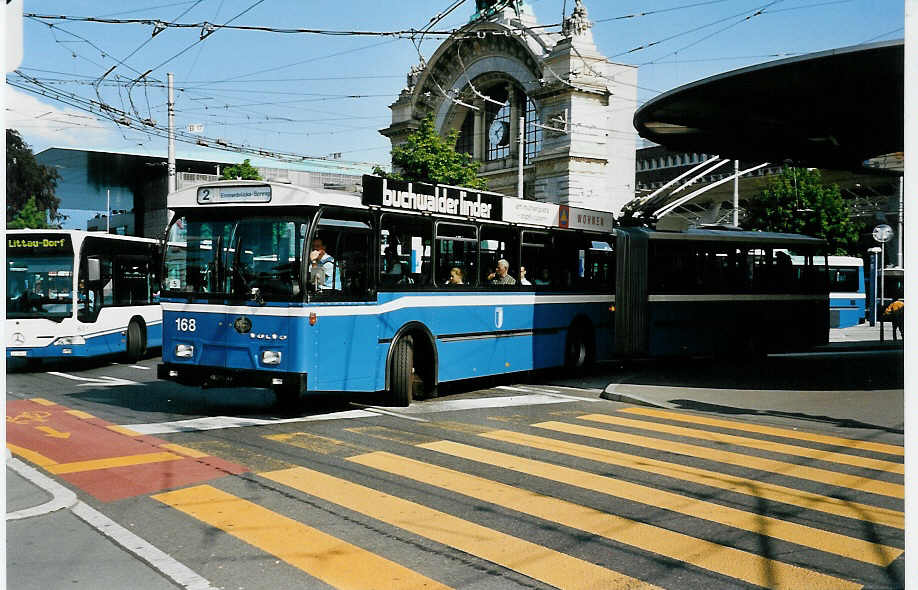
column 38, row 244
column 208, row 195
column 428, row 198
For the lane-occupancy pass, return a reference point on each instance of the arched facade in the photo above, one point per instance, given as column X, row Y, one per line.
column 578, row 142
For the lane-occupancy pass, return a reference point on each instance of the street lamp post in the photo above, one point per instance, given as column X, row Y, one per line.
column 882, row 234
column 875, row 251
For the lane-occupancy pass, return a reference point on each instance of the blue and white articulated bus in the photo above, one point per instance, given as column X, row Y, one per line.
column 847, row 296
column 720, row 292
column 413, row 285
column 78, row 294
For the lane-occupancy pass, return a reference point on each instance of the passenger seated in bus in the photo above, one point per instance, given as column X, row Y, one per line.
column 456, row 276
column 396, row 271
column 523, row 279
column 501, row 275
column 322, row 267
column 544, row 278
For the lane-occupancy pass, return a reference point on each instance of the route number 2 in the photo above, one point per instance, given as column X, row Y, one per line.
column 185, row 324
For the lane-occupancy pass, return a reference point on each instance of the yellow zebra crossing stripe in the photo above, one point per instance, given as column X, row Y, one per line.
column 705, row 554
column 822, row 540
column 825, row 476
column 753, row 443
column 322, row 556
column 537, row 562
column 714, row 479
column 850, row 443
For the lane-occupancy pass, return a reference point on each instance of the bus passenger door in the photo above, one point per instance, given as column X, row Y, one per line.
column 344, row 337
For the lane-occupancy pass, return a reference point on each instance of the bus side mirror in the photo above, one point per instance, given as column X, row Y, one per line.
column 93, row 269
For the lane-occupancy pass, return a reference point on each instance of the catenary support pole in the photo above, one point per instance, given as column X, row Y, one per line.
column 521, row 155
column 171, row 172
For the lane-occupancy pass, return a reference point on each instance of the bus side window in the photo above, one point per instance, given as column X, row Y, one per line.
column 499, row 243
column 405, row 252
column 535, row 255
column 457, row 247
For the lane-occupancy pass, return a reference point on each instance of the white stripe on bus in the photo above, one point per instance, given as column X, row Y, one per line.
column 390, row 306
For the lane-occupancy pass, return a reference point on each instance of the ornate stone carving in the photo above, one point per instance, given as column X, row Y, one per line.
column 413, row 76
column 578, row 22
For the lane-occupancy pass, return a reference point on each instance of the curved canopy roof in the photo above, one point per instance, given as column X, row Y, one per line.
column 833, row 109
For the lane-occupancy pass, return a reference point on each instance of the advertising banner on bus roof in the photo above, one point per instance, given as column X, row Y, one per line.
column 428, row 198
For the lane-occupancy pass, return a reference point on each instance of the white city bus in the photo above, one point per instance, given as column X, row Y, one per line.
column 73, row 293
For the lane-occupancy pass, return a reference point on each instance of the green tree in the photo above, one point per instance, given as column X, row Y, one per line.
column 244, row 171
column 27, row 180
column 797, row 201
column 427, row 157
column 29, row 217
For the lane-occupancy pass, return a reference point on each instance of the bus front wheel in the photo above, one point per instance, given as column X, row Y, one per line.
column 402, row 376
column 136, row 341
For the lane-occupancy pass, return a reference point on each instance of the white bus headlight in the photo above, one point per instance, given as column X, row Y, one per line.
column 69, row 341
column 270, row 357
column 184, row 351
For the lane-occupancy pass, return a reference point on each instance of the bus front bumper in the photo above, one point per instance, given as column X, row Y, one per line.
column 203, row 376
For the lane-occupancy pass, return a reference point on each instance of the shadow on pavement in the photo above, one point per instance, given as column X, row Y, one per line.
column 845, row 372
column 166, row 401
column 688, row 404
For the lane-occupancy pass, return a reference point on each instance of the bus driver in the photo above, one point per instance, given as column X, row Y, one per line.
column 322, row 268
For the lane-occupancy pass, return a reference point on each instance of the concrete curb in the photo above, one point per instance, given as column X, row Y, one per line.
column 62, row 498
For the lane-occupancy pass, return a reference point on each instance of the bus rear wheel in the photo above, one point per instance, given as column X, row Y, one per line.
column 402, row 375
column 136, row 341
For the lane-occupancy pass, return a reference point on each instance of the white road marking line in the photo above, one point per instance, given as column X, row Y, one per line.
column 61, row 497
column 103, row 380
column 219, row 422
column 480, row 403
column 378, row 410
column 550, row 392
column 147, row 552
column 140, row 367
column 143, row 550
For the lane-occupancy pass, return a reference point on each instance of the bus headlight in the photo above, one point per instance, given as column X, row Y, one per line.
column 69, row 341
column 184, row 351
column 270, row 357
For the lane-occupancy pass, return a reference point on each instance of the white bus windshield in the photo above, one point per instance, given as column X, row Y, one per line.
column 39, row 281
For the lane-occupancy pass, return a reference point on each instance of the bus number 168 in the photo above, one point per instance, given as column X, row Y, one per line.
column 185, row 324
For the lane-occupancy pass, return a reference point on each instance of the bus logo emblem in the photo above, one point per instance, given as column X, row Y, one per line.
column 242, row 324
column 499, row 317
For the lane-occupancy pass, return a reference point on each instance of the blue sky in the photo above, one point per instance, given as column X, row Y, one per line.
column 319, row 94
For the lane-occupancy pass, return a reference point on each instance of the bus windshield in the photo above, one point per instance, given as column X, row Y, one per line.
column 255, row 258
column 39, row 285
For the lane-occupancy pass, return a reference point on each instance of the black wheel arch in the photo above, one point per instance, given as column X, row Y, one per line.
column 582, row 324
column 423, row 335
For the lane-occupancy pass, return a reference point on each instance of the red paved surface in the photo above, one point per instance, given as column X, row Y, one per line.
column 38, row 428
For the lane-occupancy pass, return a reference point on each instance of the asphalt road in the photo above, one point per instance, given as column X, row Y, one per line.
column 785, row 473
